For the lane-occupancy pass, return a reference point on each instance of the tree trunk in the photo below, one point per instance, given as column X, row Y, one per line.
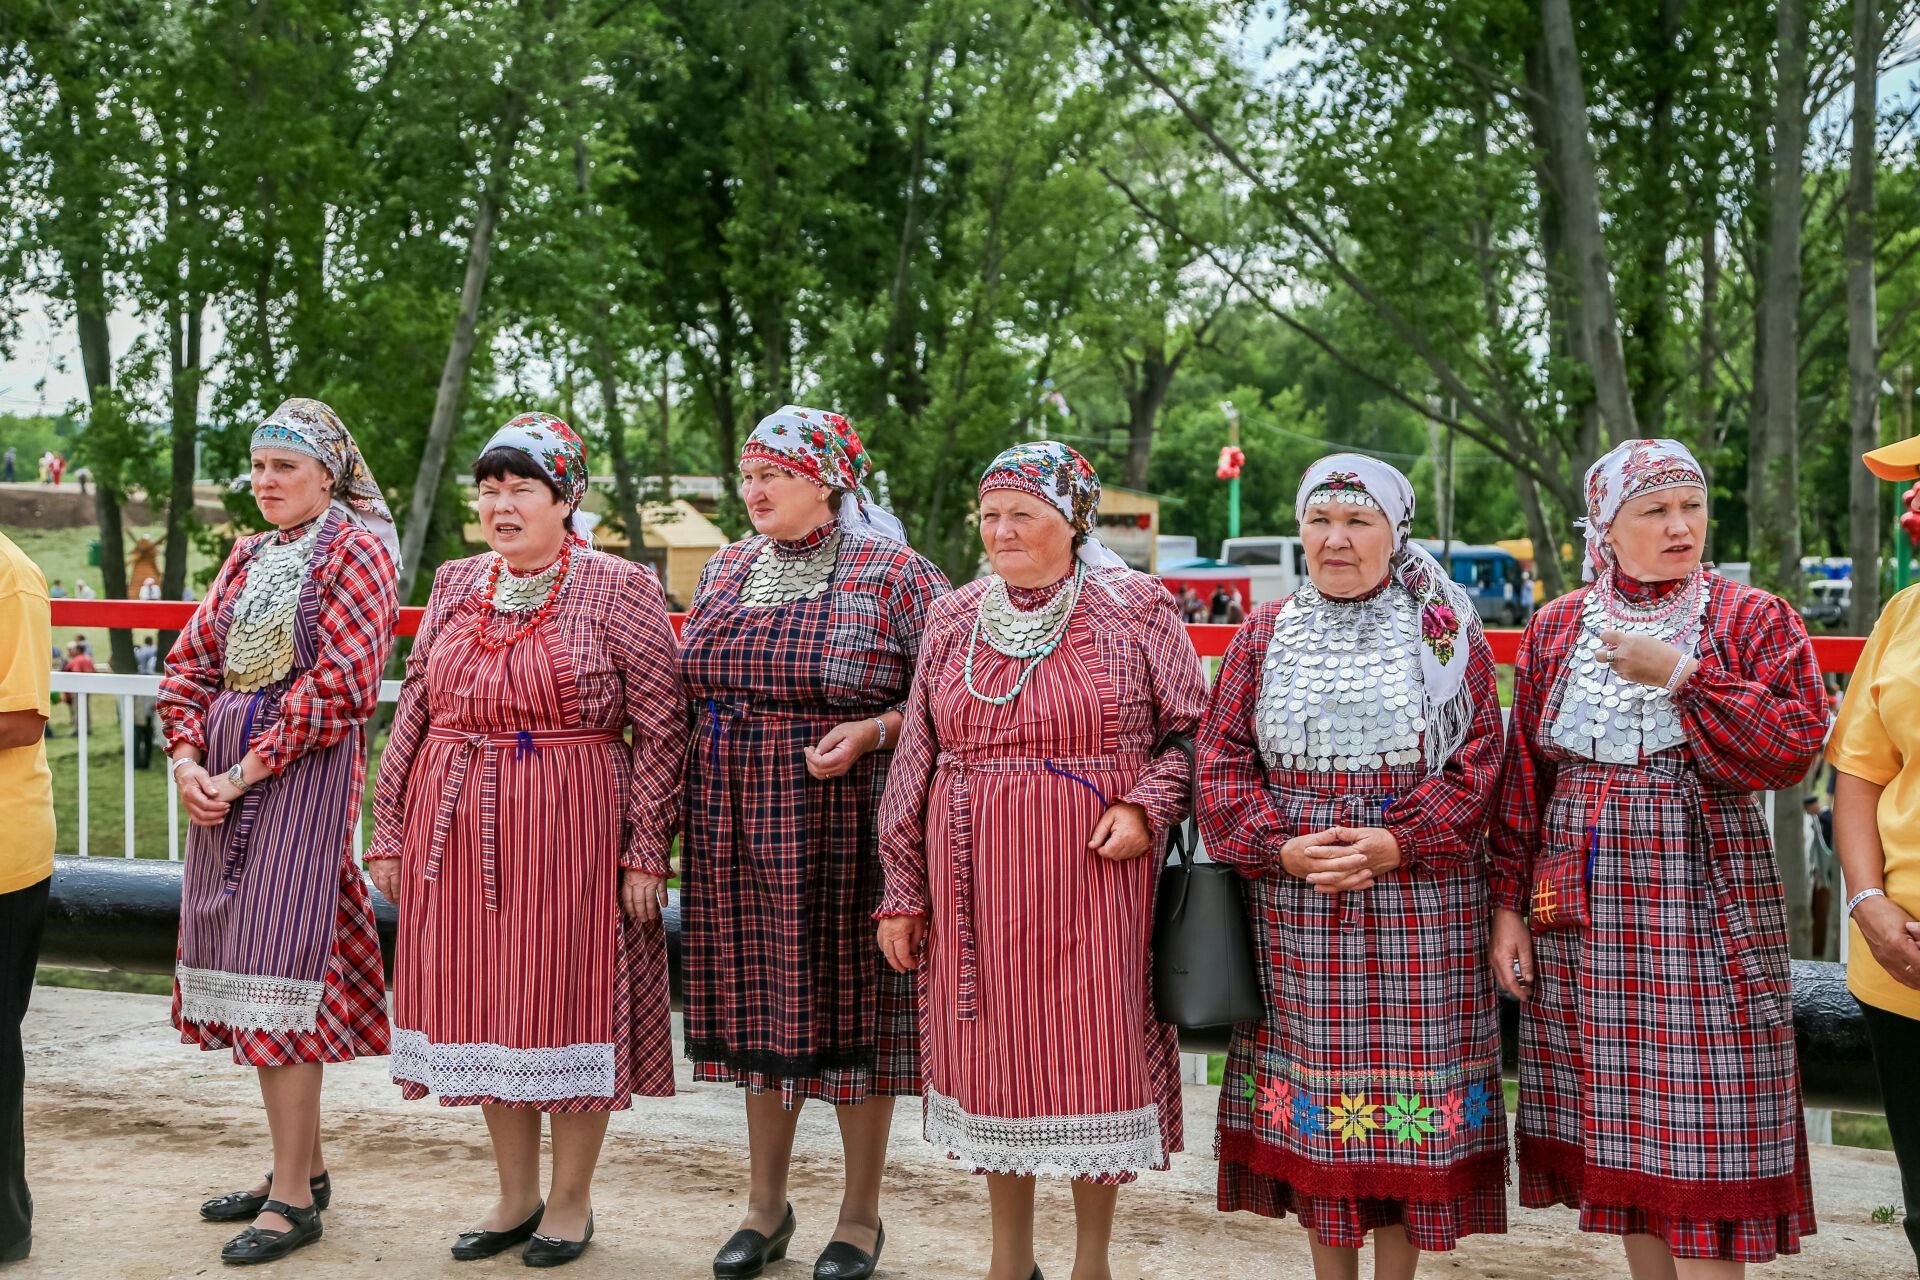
column 453, row 373
column 96, row 358
column 1863, row 345
column 626, row 493
column 1546, row 547
column 1777, row 524
column 1598, row 338
column 183, row 335
column 1144, row 400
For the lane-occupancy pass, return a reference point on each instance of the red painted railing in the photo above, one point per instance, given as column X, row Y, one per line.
column 1836, row 653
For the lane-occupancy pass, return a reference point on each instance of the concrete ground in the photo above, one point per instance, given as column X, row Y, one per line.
column 128, row 1130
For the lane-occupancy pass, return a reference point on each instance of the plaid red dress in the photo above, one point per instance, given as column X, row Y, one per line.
column 513, row 801
column 321, row 709
column 1042, row 1053
column 1659, row 1091
column 1370, row 1093
column 780, row 871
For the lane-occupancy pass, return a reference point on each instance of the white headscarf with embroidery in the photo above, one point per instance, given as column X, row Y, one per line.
column 1448, row 620
column 1630, row 470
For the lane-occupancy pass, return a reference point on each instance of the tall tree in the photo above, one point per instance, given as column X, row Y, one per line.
column 1863, row 335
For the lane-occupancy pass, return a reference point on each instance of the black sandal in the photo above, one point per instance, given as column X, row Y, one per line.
column 471, row 1246
column 244, row 1206
column 258, row 1244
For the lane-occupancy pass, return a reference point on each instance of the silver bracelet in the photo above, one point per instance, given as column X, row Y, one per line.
column 1861, row 897
column 881, row 722
column 174, row 763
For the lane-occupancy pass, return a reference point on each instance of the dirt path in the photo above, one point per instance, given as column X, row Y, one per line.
column 127, row 1131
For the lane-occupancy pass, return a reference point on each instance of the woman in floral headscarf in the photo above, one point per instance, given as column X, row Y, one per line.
column 797, row 656
column 1638, row 912
column 525, row 840
column 1347, row 765
column 264, row 702
column 1034, row 775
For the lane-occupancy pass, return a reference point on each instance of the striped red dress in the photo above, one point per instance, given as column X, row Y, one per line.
column 785, row 989
column 1659, row 1087
column 514, row 801
column 1040, row 1048
column 279, row 957
column 1370, row 1093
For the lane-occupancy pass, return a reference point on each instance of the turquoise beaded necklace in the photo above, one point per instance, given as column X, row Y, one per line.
column 1034, row 656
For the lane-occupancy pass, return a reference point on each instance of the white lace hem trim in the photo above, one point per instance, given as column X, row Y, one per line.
column 1106, row 1145
column 484, row 1070
column 248, row 1001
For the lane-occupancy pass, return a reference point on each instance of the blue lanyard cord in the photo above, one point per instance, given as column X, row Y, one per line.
column 524, row 745
column 1058, row 772
column 714, row 731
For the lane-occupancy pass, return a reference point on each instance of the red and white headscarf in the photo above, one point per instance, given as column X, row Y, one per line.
column 1630, row 470
column 821, row 446
column 1058, row 474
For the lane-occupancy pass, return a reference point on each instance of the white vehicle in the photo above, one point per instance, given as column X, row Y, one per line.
column 1275, row 566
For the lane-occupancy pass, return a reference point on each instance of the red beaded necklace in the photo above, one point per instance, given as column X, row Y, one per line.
column 517, row 634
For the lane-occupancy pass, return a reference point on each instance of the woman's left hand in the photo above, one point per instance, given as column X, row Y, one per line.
column 843, row 745
column 1379, row 849
column 1641, row 659
column 223, row 789
column 642, row 896
column 1122, row 834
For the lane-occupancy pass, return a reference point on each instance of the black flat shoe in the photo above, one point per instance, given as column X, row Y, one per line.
column 747, row 1253
column 244, row 1206
column 843, row 1261
column 471, row 1246
column 257, row 1244
column 546, row 1251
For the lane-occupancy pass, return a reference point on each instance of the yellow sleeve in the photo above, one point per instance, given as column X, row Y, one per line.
column 26, row 641
column 1859, row 744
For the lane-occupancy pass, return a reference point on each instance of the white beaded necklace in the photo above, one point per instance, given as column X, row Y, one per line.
column 1025, row 635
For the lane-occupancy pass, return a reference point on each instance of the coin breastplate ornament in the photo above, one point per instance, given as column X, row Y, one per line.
column 1604, row 716
column 778, row 576
column 1340, row 688
column 514, row 593
column 259, row 648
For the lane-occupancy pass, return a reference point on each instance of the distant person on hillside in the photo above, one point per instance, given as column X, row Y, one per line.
column 26, row 861
column 146, row 662
column 57, row 591
column 80, row 640
column 150, row 589
column 81, row 591
column 78, row 659
column 83, row 475
column 46, row 467
column 57, row 467
column 143, row 561
column 7, row 461
column 1191, row 605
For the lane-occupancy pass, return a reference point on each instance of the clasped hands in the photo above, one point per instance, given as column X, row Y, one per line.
column 1341, row 859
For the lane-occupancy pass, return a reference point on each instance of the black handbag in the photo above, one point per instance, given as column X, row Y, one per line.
column 1204, row 975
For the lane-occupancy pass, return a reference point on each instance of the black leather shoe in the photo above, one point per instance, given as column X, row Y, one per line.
column 1036, row 1272
column 747, row 1253
column 843, row 1261
column 546, row 1251
column 243, row 1206
column 471, row 1246
column 18, row 1250
column 257, row 1244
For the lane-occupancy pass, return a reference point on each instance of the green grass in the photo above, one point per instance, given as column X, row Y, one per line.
column 146, row 984
column 62, row 554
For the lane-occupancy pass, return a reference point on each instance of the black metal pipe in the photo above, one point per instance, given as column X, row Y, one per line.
column 124, row 913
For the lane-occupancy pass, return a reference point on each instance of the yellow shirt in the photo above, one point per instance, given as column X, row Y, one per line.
column 26, row 787
column 1878, row 738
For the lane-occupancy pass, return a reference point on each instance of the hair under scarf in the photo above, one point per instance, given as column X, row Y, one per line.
column 1629, row 470
column 1056, row 473
column 310, row 427
column 821, row 446
column 1448, row 620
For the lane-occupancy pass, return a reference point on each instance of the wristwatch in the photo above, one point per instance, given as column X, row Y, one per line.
column 238, row 778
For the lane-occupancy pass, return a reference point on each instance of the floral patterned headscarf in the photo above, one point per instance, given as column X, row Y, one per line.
column 310, row 427
column 552, row 444
column 1631, row 469
column 1447, row 615
column 821, row 446
column 1056, row 473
